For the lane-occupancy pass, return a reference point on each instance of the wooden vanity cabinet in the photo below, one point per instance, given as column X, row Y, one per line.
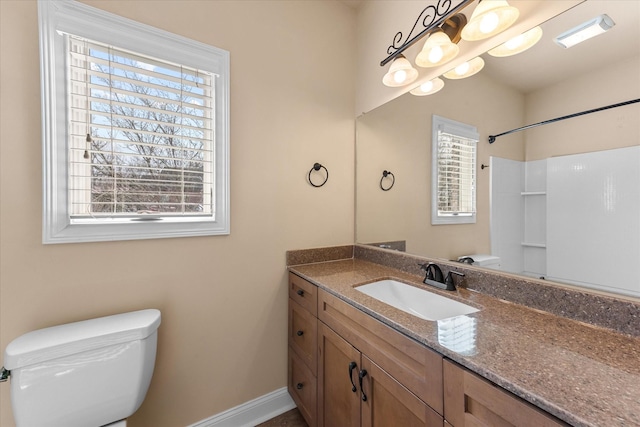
column 338, row 392
column 339, row 354
column 302, row 386
column 304, row 293
column 303, row 335
column 397, row 381
column 354, row 391
column 391, row 404
column 470, row 400
column 416, row 367
column 303, row 346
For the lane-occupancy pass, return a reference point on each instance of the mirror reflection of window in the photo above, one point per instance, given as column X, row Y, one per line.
column 454, row 148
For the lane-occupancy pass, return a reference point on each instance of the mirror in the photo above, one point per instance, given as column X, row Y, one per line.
column 542, row 83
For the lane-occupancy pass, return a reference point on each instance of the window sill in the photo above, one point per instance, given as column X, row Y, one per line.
column 90, row 231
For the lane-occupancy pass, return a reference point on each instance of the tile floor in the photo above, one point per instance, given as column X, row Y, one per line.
column 292, row 418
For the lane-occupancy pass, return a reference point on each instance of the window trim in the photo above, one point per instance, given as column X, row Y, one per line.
column 65, row 16
column 461, row 129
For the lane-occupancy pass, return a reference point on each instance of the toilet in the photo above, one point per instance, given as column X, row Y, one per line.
column 482, row 260
column 91, row 373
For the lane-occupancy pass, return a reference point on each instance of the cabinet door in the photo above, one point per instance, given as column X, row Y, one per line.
column 470, row 400
column 388, row 403
column 411, row 363
column 338, row 404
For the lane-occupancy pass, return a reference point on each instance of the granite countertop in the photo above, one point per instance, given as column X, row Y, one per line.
column 585, row 375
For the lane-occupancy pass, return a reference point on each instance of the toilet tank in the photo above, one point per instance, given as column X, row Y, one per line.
column 85, row 374
column 483, row 260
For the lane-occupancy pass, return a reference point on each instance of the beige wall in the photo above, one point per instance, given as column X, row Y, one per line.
column 223, row 299
column 614, row 128
column 397, row 137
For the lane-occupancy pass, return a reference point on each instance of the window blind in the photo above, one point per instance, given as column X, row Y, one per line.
column 456, row 178
column 141, row 134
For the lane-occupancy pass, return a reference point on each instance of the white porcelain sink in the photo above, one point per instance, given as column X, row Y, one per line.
column 424, row 304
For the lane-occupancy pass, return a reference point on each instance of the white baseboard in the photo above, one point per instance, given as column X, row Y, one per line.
column 253, row 412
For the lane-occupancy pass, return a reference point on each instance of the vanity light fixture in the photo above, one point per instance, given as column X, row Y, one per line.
column 437, row 50
column 400, row 73
column 584, row 31
column 445, row 26
column 518, row 44
column 428, row 88
column 466, row 69
column 489, row 18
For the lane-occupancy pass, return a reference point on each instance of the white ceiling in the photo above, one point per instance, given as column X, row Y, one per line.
column 547, row 63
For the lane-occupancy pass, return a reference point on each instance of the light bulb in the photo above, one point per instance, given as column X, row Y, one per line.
column 399, row 76
column 515, row 42
column 426, row 87
column 462, row 69
column 436, row 54
column 489, row 22
column 466, row 69
column 437, row 50
column 518, row 44
column 489, row 18
column 400, row 73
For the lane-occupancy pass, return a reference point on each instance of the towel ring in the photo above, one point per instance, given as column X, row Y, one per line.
column 393, row 180
column 317, row 167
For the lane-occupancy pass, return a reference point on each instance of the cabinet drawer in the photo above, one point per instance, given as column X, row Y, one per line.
column 303, row 334
column 304, row 293
column 470, row 400
column 302, row 388
column 418, row 368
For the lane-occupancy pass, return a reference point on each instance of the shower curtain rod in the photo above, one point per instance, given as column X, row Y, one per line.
column 492, row 138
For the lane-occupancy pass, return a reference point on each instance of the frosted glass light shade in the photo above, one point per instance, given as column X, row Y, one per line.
column 428, row 88
column 466, row 69
column 400, row 73
column 490, row 17
column 518, row 44
column 437, row 50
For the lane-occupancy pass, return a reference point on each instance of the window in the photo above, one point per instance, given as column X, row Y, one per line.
column 454, row 148
column 139, row 134
column 135, row 129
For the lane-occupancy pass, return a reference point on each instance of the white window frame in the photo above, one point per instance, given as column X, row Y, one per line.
column 57, row 17
column 463, row 130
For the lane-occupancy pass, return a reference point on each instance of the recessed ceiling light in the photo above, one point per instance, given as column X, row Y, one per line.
column 585, row 31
